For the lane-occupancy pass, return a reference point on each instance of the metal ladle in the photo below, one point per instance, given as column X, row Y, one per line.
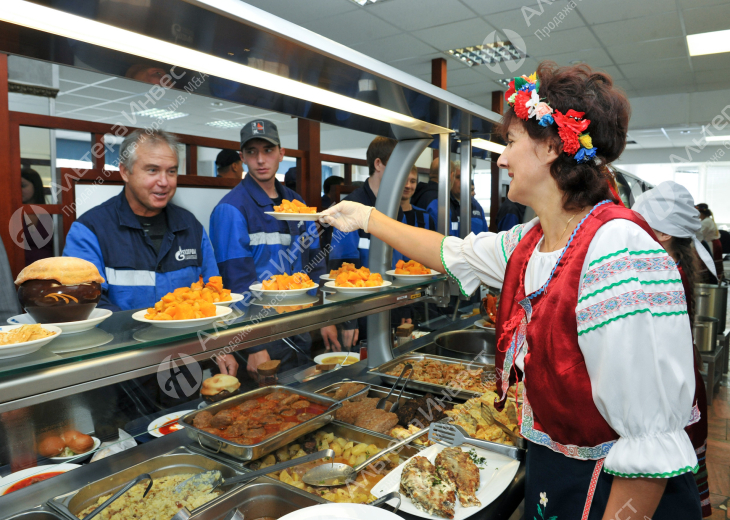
column 337, row 473
column 215, row 479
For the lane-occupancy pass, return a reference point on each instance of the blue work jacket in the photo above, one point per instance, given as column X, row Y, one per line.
column 111, row 237
column 478, row 220
column 251, row 246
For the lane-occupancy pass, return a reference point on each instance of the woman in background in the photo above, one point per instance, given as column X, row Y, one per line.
column 669, row 210
column 711, row 235
column 37, row 233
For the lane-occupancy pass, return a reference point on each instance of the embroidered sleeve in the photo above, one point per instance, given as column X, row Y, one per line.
column 480, row 258
column 634, row 332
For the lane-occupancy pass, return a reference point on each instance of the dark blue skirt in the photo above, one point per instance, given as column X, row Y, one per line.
column 565, row 483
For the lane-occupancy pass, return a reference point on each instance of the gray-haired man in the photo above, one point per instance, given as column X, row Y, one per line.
column 144, row 246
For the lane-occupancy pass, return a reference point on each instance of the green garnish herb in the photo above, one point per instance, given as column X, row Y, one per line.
column 480, row 462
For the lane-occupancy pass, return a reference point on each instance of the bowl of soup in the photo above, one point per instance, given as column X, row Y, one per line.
column 337, row 358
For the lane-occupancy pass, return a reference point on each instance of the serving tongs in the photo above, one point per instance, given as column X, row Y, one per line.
column 338, row 474
column 215, row 479
column 129, row 485
column 517, row 439
column 454, row 436
column 383, row 401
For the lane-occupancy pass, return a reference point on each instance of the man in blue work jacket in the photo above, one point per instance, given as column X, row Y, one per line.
column 145, row 246
column 251, row 246
column 478, row 220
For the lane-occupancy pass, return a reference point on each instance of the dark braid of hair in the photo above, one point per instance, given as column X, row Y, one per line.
column 684, row 250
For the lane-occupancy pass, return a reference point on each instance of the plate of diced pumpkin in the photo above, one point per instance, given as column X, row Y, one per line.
column 412, row 271
column 355, row 281
column 285, row 285
column 294, row 210
column 189, row 306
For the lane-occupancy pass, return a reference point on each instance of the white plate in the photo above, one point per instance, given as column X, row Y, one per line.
column 27, row 347
column 221, row 312
column 480, row 324
column 272, row 301
column 256, row 288
column 152, row 428
column 495, row 477
column 297, row 217
column 320, row 359
column 69, row 327
column 340, row 512
column 11, row 479
column 413, row 278
column 72, row 342
column 235, row 297
column 357, row 291
column 81, row 456
column 327, row 278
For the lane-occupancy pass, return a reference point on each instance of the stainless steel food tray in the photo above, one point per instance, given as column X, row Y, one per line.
column 433, row 388
column 246, row 452
column 355, row 434
column 375, row 390
column 179, row 460
column 263, row 497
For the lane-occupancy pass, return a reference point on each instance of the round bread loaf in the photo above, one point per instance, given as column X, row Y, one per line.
column 66, row 270
column 218, row 383
column 51, row 446
column 77, row 441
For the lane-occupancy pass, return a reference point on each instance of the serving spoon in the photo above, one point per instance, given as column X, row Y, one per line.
column 337, row 473
column 215, row 479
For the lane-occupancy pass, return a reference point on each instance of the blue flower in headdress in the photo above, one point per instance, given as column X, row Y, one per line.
column 546, row 120
column 585, row 154
column 529, row 87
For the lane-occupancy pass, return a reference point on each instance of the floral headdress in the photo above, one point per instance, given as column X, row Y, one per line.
column 523, row 97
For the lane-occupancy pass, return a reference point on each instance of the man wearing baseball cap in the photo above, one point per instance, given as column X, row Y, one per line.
column 228, row 165
column 251, row 246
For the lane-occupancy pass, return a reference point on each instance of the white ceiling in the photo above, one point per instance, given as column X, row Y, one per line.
column 641, row 43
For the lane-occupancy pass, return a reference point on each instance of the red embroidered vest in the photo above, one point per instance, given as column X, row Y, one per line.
column 557, row 383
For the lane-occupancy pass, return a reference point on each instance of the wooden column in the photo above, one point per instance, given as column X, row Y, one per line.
column 98, row 152
column 439, row 74
column 191, row 159
column 309, row 171
column 10, row 196
column 497, row 106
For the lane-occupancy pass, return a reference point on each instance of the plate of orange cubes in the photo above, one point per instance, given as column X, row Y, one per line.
column 294, row 210
column 189, row 306
column 349, row 280
column 412, row 271
column 285, row 285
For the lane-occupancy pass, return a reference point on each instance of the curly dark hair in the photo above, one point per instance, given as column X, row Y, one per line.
column 582, row 89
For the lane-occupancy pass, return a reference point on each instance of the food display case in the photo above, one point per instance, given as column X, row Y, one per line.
column 124, row 379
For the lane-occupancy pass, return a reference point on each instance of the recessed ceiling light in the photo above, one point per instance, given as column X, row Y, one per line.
column 488, row 145
column 53, row 21
column 708, row 43
column 685, row 132
column 161, row 113
column 217, row 104
column 505, row 82
column 224, row 124
column 487, row 54
column 363, row 3
column 717, row 138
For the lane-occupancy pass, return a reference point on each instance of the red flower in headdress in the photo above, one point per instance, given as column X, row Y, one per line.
column 510, row 90
column 521, row 100
column 568, row 120
column 571, row 144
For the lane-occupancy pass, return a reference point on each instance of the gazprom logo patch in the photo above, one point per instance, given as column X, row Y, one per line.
column 186, row 254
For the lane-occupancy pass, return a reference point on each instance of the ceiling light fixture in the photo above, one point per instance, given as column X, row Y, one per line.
column 708, row 43
column 161, row 113
column 487, row 54
column 363, row 3
column 45, row 19
column 717, row 138
column 224, row 124
column 216, row 104
column 685, row 132
column 505, row 82
column 490, row 146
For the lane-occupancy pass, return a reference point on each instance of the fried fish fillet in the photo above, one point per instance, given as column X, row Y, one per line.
column 457, row 468
column 428, row 491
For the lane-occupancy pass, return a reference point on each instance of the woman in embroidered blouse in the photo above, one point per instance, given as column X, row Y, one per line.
column 593, row 317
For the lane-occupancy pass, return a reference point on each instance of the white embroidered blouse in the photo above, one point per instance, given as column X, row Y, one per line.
column 633, row 330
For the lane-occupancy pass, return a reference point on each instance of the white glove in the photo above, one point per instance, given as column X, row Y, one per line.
column 348, row 216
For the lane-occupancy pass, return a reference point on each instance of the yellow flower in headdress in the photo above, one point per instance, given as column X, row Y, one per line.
column 532, row 77
column 585, row 141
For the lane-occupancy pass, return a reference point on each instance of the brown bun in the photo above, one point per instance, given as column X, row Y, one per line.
column 66, row 270
column 218, row 383
column 51, row 446
column 79, row 443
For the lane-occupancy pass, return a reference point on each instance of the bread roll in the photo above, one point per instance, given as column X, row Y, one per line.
column 66, row 270
column 77, row 441
column 51, row 446
column 219, row 383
